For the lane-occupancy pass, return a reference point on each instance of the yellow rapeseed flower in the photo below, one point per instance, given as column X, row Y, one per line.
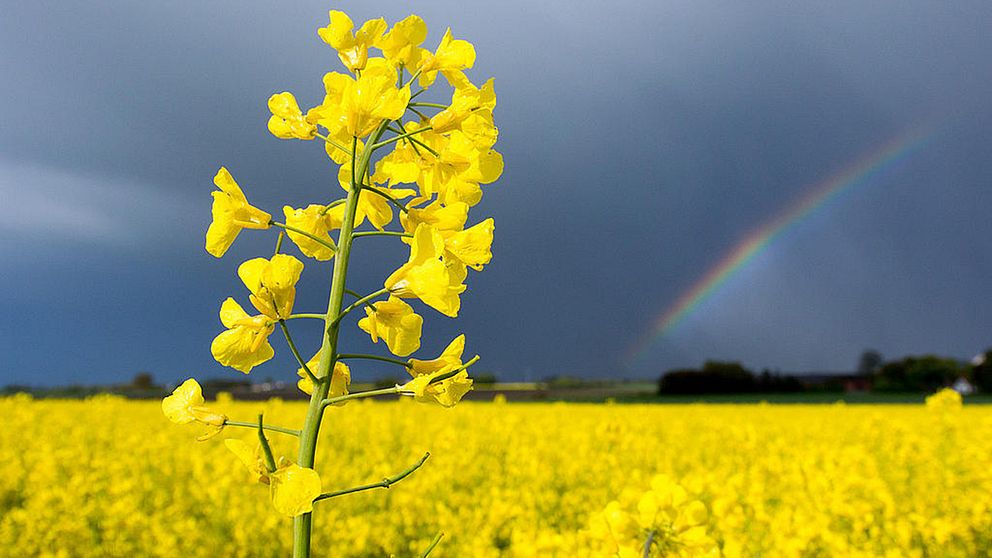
column 359, row 105
column 245, row 344
column 443, row 218
column 318, row 221
column 472, row 246
column 287, row 119
column 394, row 321
column 425, row 276
column 451, row 57
column 446, row 392
column 185, row 405
column 292, row 488
column 272, row 283
column 353, row 48
column 340, row 378
column 231, row 213
column 401, row 44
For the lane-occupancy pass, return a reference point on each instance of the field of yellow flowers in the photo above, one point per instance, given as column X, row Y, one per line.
column 110, row 477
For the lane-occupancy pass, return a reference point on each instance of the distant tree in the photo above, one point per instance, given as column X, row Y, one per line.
column 715, row 377
column 869, row 362
column 981, row 371
column 921, row 374
column 143, row 380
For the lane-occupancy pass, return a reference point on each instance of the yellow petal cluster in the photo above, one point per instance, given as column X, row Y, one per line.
column 287, row 119
column 185, row 405
column 245, row 343
column 426, row 276
column 272, row 284
column 395, row 322
column 352, row 47
column 292, row 488
column 401, row 44
column 231, row 213
column 447, row 392
column 340, row 378
column 358, row 106
column 318, row 221
column 451, row 57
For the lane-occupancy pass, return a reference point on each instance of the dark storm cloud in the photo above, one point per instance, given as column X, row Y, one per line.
column 642, row 141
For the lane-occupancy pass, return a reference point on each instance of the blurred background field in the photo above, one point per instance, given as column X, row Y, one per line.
column 111, row 477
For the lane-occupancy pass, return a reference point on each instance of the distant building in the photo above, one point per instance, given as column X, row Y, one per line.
column 963, row 386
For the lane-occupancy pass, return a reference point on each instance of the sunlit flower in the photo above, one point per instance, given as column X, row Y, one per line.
column 287, row 119
column 340, row 379
column 451, row 57
column 395, row 322
column 472, row 246
column 425, row 276
column 272, row 283
column 185, row 405
column 292, row 488
column 359, row 105
column 245, row 343
column 317, row 220
column 426, row 387
column 231, row 213
column 401, row 44
column 353, row 48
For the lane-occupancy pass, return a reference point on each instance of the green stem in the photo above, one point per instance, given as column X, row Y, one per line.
column 332, row 142
column 413, row 77
column 302, row 524
column 384, row 483
column 330, row 206
column 454, row 372
column 270, row 461
column 382, row 233
column 363, row 394
column 359, row 295
column 437, row 539
column 429, row 105
column 648, row 543
column 417, row 94
column 296, row 353
column 358, row 303
column 279, row 429
column 401, row 136
column 282, row 234
column 300, row 316
column 418, row 113
column 346, row 356
column 388, row 198
column 317, row 239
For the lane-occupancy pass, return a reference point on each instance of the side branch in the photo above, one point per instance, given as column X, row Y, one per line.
column 388, row 198
column 434, row 542
column 401, row 136
column 296, row 353
column 324, row 242
column 365, row 299
column 384, row 483
column 278, row 429
column 395, row 390
column 346, row 356
column 382, row 233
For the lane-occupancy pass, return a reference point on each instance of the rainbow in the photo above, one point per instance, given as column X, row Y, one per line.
column 865, row 168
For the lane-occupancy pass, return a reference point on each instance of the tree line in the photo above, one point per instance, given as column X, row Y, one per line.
column 919, row 374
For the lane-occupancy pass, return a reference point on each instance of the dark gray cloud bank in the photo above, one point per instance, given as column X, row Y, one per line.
column 642, row 142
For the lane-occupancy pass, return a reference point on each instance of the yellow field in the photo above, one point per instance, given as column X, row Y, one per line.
column 107, row 477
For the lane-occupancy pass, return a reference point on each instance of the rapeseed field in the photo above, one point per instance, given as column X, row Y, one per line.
column 111, row 477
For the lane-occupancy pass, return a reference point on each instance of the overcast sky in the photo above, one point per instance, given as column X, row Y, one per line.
column 643, row 141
